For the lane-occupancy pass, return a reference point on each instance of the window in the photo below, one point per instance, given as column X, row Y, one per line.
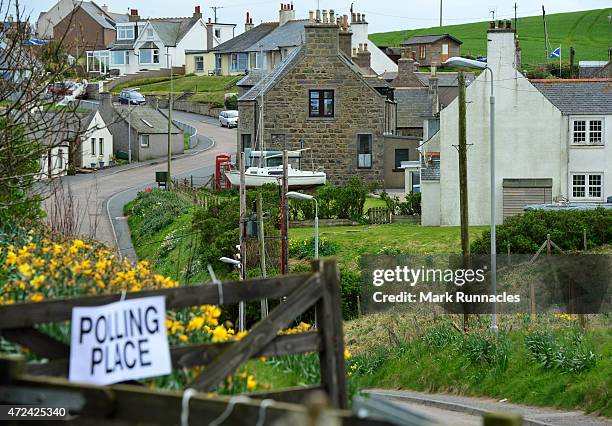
column 401, row 155
column 321, row 103
column 144, row 141
column 125, row 33
column 149, row 56
column 150, row 33
column 218, row 33
column 101, row 150
column 445, row 48
column 246, row 142
column 587, row 132
column 587, row 185
column 93, row 146
column 199, row 63
column 60, row 159
column 219, row 61
column 364, row 153
column 120, row 57
column 239, row 62
column 259, row 60
column 422, row 52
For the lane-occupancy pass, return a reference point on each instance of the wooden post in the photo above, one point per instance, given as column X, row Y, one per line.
column 285, row 216
column 584, row 238
column 262, row 249
column 548, row 245
column 509, row 259
column 241, row 307
column 329, row 319
column 463, row 177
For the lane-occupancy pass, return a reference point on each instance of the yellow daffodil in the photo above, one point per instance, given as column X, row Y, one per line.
column 347, row 354
column 37, row 297
column 25, row 270
column 11, row 259
column 220, row 334
column 251, row 383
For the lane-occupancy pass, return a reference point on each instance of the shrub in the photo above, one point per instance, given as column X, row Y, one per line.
column 335, row 202
column 568, row 353
column 411, row 205
column 350, row 284
column 158, row 209
column 526, row 232
column 441, row 336
column 231, row 102
column 485, row 348
column 305, row 249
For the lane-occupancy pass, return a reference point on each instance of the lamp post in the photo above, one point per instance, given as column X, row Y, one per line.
column 170, row 99
column 241, row 307
column 470, row 63
column 301, row 196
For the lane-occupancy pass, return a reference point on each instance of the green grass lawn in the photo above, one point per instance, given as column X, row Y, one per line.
column 353, row 241
column 587, row 31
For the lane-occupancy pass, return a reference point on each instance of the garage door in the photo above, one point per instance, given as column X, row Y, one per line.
column 519, row 193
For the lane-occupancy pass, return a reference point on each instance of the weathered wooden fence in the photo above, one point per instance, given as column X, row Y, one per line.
column 379, row 215
column 319, row 288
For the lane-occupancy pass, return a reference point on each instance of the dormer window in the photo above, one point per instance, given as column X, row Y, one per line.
column 125, row 32
column 150, row 33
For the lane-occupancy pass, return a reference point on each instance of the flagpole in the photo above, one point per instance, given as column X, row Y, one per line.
column 560, row 76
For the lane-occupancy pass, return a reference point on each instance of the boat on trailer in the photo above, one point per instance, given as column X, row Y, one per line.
column 258, row 176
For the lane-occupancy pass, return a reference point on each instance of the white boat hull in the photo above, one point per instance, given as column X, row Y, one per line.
column 296, row 178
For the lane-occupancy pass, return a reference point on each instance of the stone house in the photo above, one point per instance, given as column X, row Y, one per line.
column 87, row 27
column 318, row 99
column 432, row 49
column 552, row 142
column 142, row 129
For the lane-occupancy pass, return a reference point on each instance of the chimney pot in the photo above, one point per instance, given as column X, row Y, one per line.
column 363, row 17
column 318, row 16
column 492, row 25
column 325, row 16
column 210, row 20
column 353, row 17
column 345, row 23
column 197, row 9
column 509, row 24
column 500, row 24
column 332, row 13
column 365, row 47
column 134, row 12
column 291, row 5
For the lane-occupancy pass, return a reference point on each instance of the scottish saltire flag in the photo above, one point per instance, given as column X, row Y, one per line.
column 556, row 53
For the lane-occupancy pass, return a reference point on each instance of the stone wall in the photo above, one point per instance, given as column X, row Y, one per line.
column 164, row 72
column 333, row 141
column 185, row 105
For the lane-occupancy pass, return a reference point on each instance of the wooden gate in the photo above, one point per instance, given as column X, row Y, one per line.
column 379, row 215
column 319, row 288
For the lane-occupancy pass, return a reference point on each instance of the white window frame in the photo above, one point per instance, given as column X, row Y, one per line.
column 149, row 33
column 195, row 63
column 587, row 131
column 154, row 53
column 364, row 160
column 237, row 63
column 92, row 146
column 445, row 48
column 587, row 186
column 101, row 146
column 129, row 29
column 218, row 33
column 141, row 139
column 126, row 57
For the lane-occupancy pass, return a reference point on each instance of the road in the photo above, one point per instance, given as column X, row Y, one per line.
column 110, row 189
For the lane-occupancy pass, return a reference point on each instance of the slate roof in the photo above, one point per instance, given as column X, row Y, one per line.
column 62, row 128
column 592, row 96
column 288, row 35
column 242, row 42
column 252, row 78
column 412, row 104
column 265, row 83
column 427, row 39
column 446, row 79
column 172, row 31
column 101, row 17
column 140, row 114
column 430, row 171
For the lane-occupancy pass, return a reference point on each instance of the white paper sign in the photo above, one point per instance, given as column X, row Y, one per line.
column 119, row 341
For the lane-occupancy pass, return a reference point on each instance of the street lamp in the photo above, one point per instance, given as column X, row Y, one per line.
column 241, row 307
column 300, row 196
column 170, row 100
column 470, row 63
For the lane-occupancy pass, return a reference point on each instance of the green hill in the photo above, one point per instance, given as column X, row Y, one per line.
column 587, row 31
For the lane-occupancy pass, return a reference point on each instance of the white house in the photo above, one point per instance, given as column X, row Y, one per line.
column 95, row 147
column 155, row 44
column 552, row 143
column 54, row 162
column 380, row 62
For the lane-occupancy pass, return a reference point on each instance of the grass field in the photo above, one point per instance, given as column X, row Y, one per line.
column 587, row 31
column 206, row 89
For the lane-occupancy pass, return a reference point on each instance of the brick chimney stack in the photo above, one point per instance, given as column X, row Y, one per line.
column 134, row 17
column 322, row 36
column 433, row 89
column 286, row 14
column 197, row 12
column 346, row 36
column 248, row 25
column 406, row 76
column 363, row 59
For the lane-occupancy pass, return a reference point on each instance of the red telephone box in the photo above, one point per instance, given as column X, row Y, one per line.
column 222, row 164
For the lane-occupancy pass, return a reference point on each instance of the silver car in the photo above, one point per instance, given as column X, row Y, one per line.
column 228, row 119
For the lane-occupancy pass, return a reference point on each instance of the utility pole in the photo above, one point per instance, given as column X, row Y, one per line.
column 515, row 20
column 215, row 8
column 262, row 249
column 463, row 181
column 440, row 12
column 285, row 216
column 241, row 307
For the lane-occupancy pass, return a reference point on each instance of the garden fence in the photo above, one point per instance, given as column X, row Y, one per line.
column 379, row 215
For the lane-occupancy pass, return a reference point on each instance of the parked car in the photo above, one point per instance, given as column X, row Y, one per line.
column 228, row 119
column 131, row 97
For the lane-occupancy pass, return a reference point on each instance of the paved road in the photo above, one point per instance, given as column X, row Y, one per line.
column 466, row 411
column 119, row 185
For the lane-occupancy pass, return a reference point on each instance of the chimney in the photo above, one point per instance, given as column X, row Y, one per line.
column 311, row 17
column 197, row 12
column 105, row 8
column 210, row 35
column 322, row 39
column 364, row 57
column 248, row 24
column 433, row 90
column 134, row 17
column 346, row 36
column 285, row 14
column 405, row 73
column 502, row 55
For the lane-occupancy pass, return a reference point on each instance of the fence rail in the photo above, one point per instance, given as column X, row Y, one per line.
column 379, row 215
column 301, row 292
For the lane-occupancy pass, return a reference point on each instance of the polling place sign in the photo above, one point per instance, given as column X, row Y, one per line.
column 120, row 341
